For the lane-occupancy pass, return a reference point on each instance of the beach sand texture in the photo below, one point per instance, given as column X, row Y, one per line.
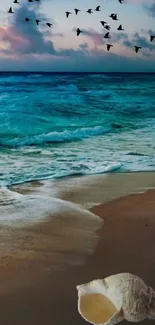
column 43, row 259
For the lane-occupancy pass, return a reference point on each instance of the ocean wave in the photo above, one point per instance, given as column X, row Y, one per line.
column 74, row 171
column 100, row 75
column 136, row 154
column 107, row 169
column 34, row 75
column 100, row 93
column 58, row 137
column 90, row 170
column 11, row 80
column 71, row 88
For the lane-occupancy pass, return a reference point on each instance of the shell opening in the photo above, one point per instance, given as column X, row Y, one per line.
column 96, row 308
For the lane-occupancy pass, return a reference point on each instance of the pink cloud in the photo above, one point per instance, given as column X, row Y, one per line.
column 13, row 38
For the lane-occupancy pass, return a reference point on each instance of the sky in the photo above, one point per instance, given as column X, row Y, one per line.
column 28, row 47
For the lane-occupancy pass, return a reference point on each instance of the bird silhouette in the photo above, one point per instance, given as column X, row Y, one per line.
column 112, row 15
column 27, row 19
column 76, row 11
column 89, row 11
column 137, row 48
column 49, row 24
column 78, row 31
column 15, row 1
column 97, row 8
column 109, row 46
column 68, row 13
column 120, row 27
column 30, row 0
column 107, row 35
column 10, row 11
column 121, row 1
column 37, row 21
column 103, row 22
column 107, row 27
column 152, row 38
column 115, row 17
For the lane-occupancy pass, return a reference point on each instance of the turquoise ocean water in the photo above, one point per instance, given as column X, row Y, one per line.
column 56, row 125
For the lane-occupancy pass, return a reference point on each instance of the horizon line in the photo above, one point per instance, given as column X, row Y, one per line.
column 79, row 72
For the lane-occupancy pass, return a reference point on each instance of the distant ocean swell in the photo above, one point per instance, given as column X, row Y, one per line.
column 59, row 125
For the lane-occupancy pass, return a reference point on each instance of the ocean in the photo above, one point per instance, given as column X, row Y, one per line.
column 57, row 125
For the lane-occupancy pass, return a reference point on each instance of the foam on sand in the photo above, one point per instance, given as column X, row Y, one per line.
column 47, row 232
column 117, row 297
column 19, row 210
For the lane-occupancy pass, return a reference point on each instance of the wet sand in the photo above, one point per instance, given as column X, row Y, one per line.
column 44, row 295
column 92, row 190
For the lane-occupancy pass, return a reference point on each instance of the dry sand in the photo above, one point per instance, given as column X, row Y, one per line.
column 127, row 241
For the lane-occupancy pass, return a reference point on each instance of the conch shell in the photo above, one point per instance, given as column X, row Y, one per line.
column 115, row 298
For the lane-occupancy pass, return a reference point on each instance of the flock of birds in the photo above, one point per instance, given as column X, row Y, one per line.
column 113, row 16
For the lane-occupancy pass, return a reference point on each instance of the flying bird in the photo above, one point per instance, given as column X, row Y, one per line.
column 30, row 0
column 27, row 19
column 137, row 48
column 76, row 11
column 97, row 8
column 15, row 1
column 112, row 15
column 10, row 11
column 37, row 20
column 109, row 46
column 68, row 13
column 107, row 35
column 121, row 1
column 89, row 11
column 103, row 22
column 49, row 24
column 115, row 17
column 152, row 38
column 78, row 31
column 120, row 27
column 107, row 27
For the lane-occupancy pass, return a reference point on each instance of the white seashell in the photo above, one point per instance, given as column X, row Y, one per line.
column 117, row 297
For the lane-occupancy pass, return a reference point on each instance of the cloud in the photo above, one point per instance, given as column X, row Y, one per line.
column 92, row 61
column 139, row 40
column 151, row 9
column 143, row 42
column 98, row 38
column 136, row 39
column 33, row 48
column 84, row 46
column 122, row 38
column 25, row 37
column 95, row 36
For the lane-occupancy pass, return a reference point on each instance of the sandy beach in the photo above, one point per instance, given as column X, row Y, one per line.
column 43, row 257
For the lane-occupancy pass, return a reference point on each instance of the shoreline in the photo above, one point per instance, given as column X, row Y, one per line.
column 91, row 190
column 122, row 240
column 76, row 176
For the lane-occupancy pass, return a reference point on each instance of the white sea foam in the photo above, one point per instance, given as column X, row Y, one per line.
column 19, row 210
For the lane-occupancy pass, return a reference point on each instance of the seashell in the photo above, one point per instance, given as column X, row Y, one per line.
column 120, row 296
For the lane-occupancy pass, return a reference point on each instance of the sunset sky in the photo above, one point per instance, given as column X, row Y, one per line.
column 28, row 47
